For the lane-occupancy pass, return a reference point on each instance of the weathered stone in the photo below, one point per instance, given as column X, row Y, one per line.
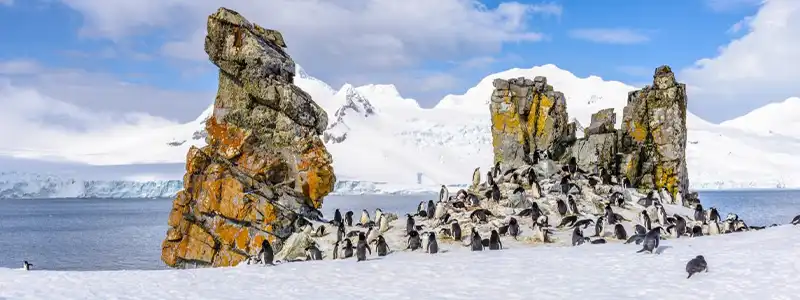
column 264, row 164
column 602, row 122
column 653, row 135
column 593, row 151
column 527, row 115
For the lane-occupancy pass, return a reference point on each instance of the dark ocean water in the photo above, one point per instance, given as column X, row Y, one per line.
column 114, row 234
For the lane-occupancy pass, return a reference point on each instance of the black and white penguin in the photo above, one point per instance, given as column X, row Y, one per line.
column 347, row 250
column 696, row 265
column 26, row 265
column 381, row 247
column 348, row 218
column 444, row 194
column 409, row 224
column 651, row 240
column 644, row 220
column 362, row 247
column 562, row 207
column 699, row 214
column 455, row 230
column 573, row 205
column 494, row 241
column 495, row 193
column 432, row 247
column 364, row 217
column 313, row 253
column 619, row 232
column 431, row 210
column 475, row 241
column 513, row 228
column 266, row 254
column 796, row 220
column 577, row 237
column 337, row 217
column 414, row 242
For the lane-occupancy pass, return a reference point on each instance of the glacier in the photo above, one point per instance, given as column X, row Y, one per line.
column 383, row 143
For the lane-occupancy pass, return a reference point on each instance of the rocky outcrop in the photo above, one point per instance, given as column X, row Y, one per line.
column 653, row 135
column 527, row 115
column 649, row 150
column 264, row 165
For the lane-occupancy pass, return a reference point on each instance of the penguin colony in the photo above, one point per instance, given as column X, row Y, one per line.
column 532, row 204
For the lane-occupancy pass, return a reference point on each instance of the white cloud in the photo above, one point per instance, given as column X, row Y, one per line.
column 336, row 40
column 760, row 67
column 610, row 35
column 103, row 92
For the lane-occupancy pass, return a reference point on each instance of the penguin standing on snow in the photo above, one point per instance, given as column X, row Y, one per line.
column 26, row 266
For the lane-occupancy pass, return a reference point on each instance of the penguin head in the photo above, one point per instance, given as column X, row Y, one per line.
column 494, row 234
column 431, row 236
column 265, row 245
column 362, row 237
column 349, row 213
column 700, row 258
column 512, row 221
column 573, row 161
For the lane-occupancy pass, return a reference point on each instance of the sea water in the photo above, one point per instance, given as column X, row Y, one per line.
column 126, row 234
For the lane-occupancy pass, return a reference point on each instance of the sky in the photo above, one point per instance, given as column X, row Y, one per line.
column 84, row 64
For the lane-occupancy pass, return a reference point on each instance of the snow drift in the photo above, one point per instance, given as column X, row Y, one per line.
column 765, row 259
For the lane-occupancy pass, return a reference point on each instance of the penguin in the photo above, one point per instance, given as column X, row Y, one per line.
column 409, row 224
column 439, row 210
column 696, row 265
column 661, row 214
column 564, row 185
column 639, row 229
column 644, row 220
column 618, row 199
column 651, row 240
column 473, row 200
column 480, row 215
column 336, row 250
column 354, row 233
column 732, row 217
column 337, row 217
column 313, row 253
column 340, row 233
column 573, row 206
column 584, row 223
column 502, row 230
column 266, row 255
column 320, row 231
column 347, row 250
column 489, row 179
column 568, row 221
column 577, row 237
column 362, row 248
column 444, row 194
column 796, row 220
column 605, row 177
column 562, row 207
column 678, row 199
column 513, row 228
column 431, row 209
column 26, row 265
column 475, row 241
column 638, row 238
column 432, row 247
column 455, row 230
column 378, row 214
column 536, row 212
column 619, row 232
column 543, row 221
column 609, row 214
column 414, row 242
column 713, row 228
column 495, row 193
column 421, row 207
column 461, row 195
column 699, row 215
column 380, row 246
column 476, row 177
column 599, row 241
column 697, row 231
column 494, row 241
column 599, row 227
column 348, row 218
column 496, row 171
column 680, row 226
column 383, row 224
column 713, row 215
column 364, row 217
column 542, row 232
column 372, row 234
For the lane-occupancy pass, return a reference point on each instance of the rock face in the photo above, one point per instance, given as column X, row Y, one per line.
column 653, row 135
column 527, row 115
column 265, row 164
column 649, row 150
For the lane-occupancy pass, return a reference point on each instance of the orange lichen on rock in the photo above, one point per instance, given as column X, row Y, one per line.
column 264, row 163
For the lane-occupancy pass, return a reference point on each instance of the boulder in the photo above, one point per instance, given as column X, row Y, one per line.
column 265, row 164
column 602, row 122
column 527, row 115
column 653, row 135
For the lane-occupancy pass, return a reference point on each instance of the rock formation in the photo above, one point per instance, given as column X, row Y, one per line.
column 653, row 135
column 649, row 150
column 265, row 164
column 527, row 115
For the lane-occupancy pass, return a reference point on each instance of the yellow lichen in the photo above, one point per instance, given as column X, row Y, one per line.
column 666, row 178
column 638, row 132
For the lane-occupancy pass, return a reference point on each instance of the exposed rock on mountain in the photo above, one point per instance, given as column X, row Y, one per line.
column 527, row 115
column 264, row 166
column 649, row 150
column 653, row 135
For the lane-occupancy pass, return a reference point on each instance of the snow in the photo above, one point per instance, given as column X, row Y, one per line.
column 403, row 147
column 748, row 265
column 15, row 185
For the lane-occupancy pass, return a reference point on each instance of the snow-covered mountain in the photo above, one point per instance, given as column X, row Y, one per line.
column 17, row 185
column 382, row 142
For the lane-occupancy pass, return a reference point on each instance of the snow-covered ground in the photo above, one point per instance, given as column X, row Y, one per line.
column 384, row 143
column 748, row 265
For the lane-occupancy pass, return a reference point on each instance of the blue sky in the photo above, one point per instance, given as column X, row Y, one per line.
column 158, row 48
